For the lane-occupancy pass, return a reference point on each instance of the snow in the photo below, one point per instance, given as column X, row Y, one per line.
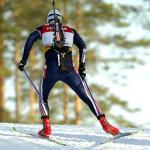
column 76, row 137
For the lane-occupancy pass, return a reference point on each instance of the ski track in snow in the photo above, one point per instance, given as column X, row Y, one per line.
column 76, row 137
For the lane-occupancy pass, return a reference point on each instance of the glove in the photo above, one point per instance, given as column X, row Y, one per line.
column 82, row 71
column 21, row 65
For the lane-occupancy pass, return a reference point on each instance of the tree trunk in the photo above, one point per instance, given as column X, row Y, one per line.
column 78, row 25
column 32, row 91
column 65, row 9
column 32, row 104
column 2, row 101
column 18, row 85
column 2, row 4
column 66, row 104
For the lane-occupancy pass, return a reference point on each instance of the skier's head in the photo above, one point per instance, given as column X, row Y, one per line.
column 50, row 16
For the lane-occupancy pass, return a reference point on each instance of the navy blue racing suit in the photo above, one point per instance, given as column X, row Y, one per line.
column 52, row 73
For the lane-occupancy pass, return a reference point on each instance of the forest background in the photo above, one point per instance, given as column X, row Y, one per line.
column 118, row 39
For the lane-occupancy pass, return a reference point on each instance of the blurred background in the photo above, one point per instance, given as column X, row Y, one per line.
column 117, row 34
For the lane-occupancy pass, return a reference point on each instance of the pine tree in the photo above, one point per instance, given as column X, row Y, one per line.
column 78, row 25
column 2, row 101
column 32, row 96
column 18, row 84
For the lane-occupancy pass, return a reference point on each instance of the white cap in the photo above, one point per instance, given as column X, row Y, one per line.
column 50, row 16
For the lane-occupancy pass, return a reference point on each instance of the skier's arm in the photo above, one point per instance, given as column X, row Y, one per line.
column 78, row 41
column 34, row 36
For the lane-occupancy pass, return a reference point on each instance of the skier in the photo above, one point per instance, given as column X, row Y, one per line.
column 58, row 40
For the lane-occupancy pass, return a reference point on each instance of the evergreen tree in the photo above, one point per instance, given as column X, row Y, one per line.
column 2, row 101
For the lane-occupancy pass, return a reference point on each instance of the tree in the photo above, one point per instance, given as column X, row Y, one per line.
column 18, row 84
column 2, row 3
column 32, row 95
column 78, row 25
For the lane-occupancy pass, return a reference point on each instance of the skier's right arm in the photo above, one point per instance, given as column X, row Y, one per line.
column 34, row 36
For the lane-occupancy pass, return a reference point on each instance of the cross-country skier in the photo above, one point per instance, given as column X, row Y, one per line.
column 58, row 40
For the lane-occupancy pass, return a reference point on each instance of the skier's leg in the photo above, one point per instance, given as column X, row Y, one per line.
column 103, row 121
column 47, row 83
column 82, row 90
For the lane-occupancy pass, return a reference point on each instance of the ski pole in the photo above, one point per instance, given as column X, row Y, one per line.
column 32, row 84
column 53, row 3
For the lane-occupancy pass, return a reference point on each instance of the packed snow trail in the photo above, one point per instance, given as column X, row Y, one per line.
column 75, row 137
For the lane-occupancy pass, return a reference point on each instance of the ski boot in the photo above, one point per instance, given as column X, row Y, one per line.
column 107, row 127
column 46, row 131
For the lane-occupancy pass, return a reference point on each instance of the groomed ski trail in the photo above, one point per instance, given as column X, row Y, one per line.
column 75, row 137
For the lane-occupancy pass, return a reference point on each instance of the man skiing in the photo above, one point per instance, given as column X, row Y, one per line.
column 58, row 40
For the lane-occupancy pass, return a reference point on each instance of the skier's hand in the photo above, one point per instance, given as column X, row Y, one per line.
column 82, row 71
column 21, row 65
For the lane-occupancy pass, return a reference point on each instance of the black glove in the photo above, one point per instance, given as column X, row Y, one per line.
column 21, row 65
column 82, row 71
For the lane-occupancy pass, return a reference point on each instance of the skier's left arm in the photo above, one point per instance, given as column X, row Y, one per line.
column 34, row 36
column 78, row 41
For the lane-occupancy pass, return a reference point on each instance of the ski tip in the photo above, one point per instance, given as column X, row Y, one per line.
column 57, row 142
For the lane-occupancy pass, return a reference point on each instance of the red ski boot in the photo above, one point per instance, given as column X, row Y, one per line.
column 108, row 128
column 46, row 131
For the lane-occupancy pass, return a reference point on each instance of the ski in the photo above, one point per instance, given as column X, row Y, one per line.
column 121, row 135
column 56, row 141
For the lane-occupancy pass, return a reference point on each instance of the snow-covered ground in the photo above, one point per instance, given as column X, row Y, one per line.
column 76, row 137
